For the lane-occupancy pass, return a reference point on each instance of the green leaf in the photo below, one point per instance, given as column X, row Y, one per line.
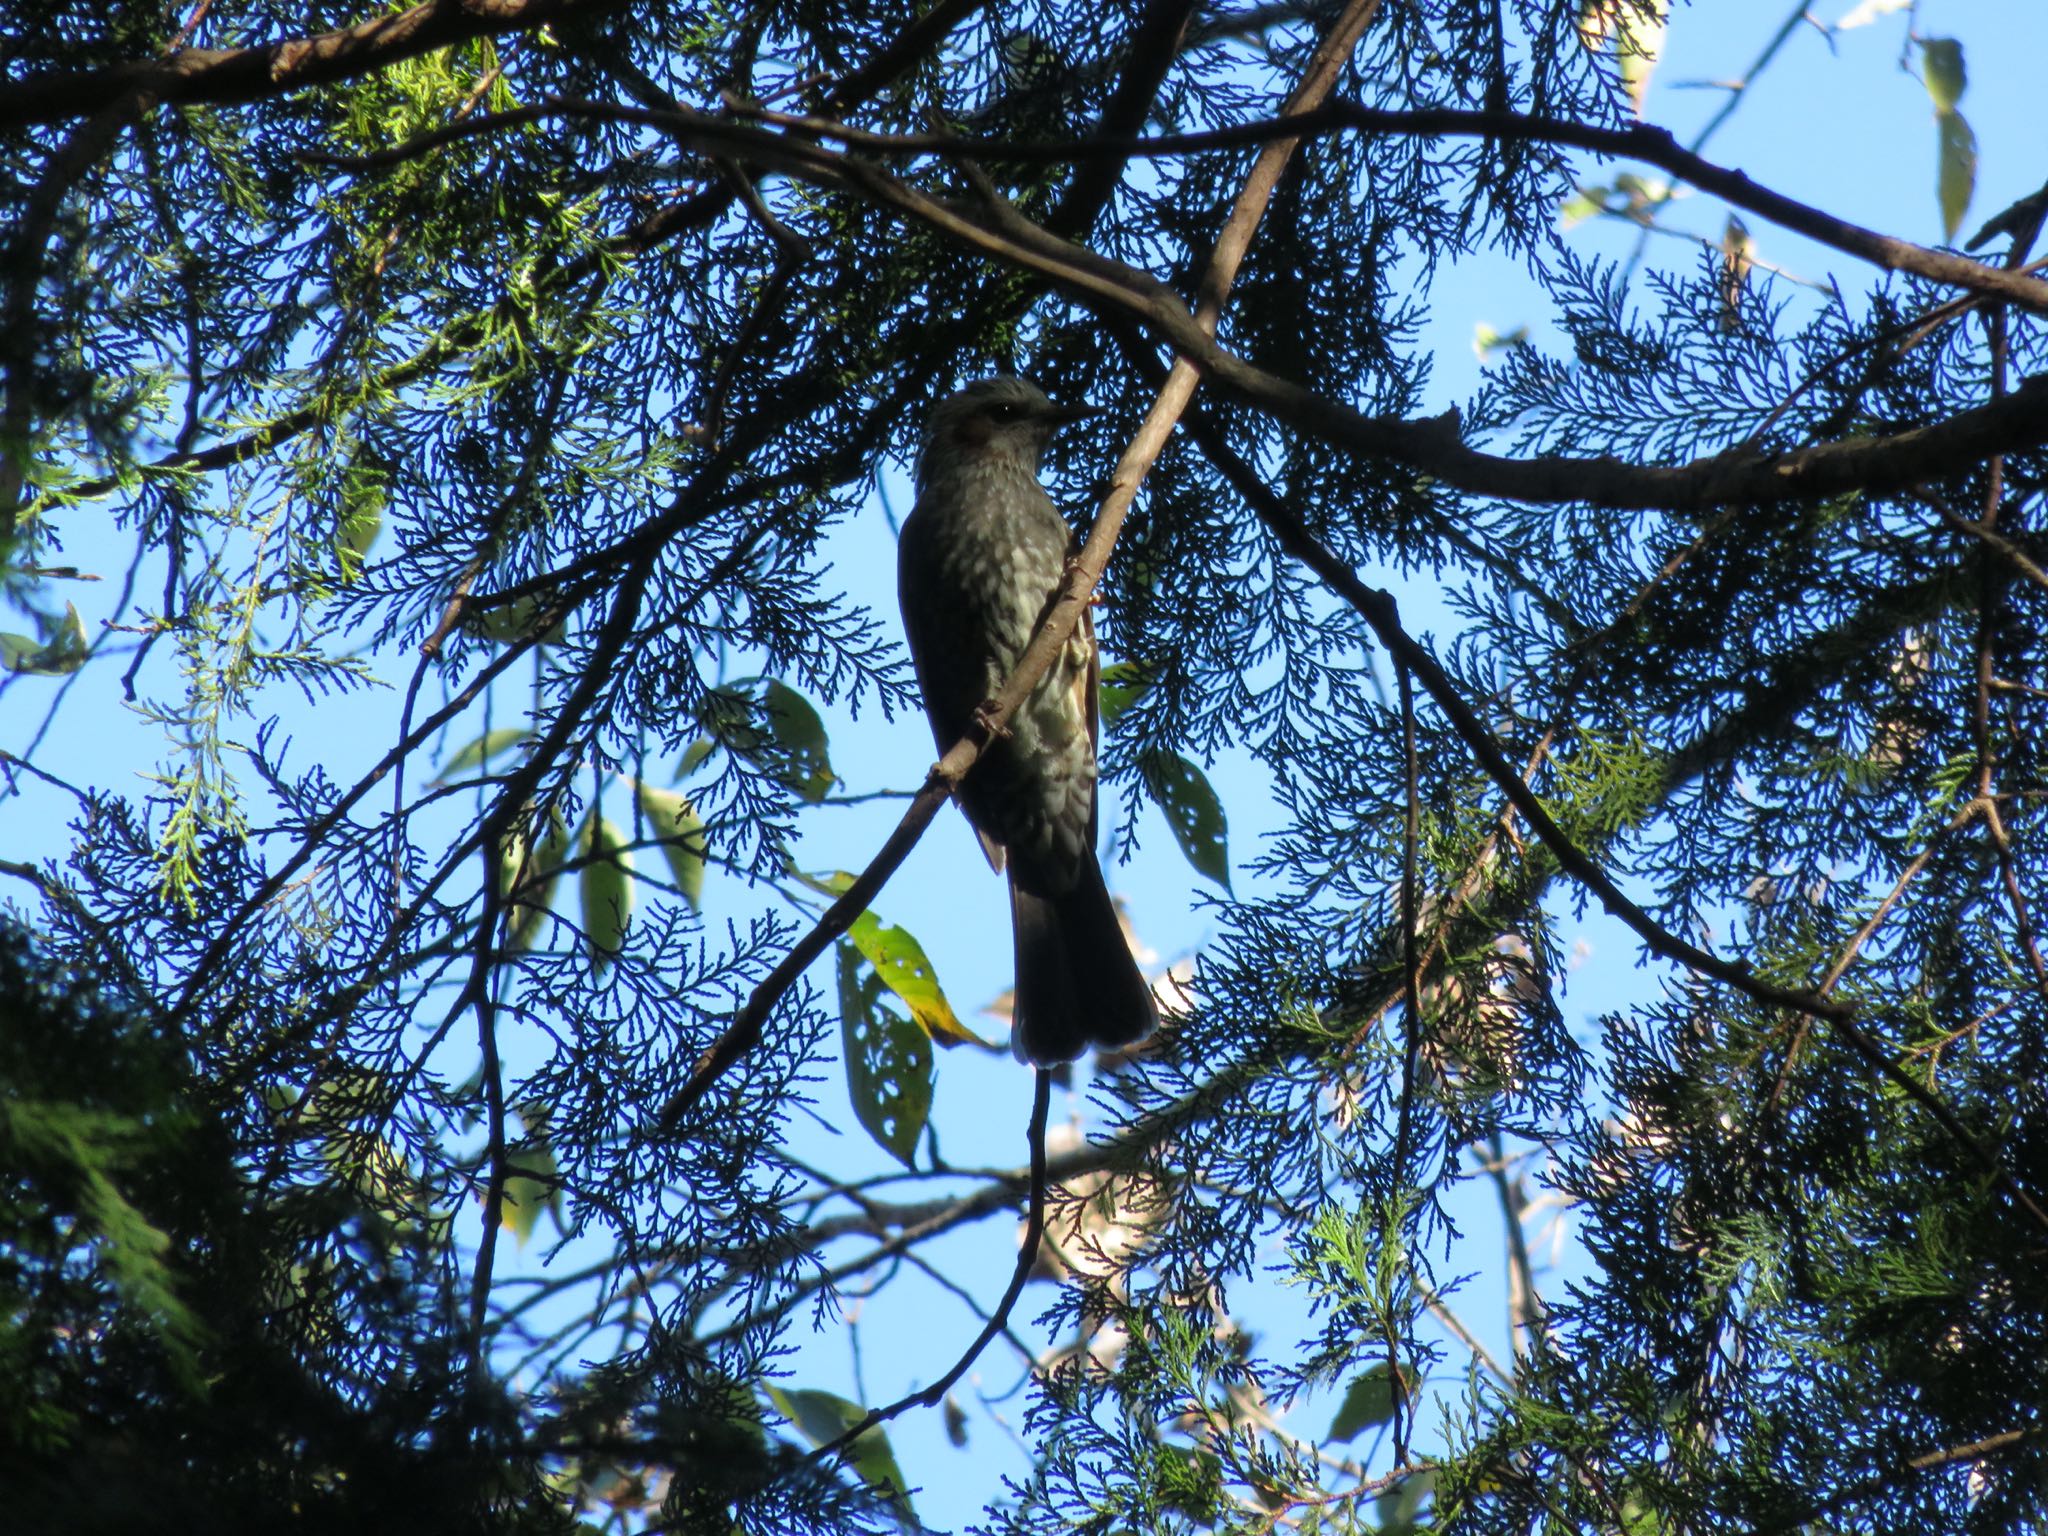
column 822, row 1418
column 1193, row 811
column 527, row 875
column 694, row 754
column 513, row 621
column 681, row 831
column 1942, row 60
column 1486, row 340
column 1123, row 684
column 1189, row 1482
column 888, row 1062
column 1956, row 178
column 900, row 962
column 607, row 891
column 1396, row 1509
column 1369, row 1400
column 475, row 753
column 531, row 1189
column 800, row 734
column 64, row 650
column 364, row 491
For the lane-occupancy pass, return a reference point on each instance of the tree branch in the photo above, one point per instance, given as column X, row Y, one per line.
column 1062, row 613
column 999, row 1320
column 227, row 76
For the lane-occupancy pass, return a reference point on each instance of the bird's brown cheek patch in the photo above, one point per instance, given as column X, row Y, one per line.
column 974, row 432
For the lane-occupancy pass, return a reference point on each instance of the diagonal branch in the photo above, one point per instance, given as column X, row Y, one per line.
column 1377, row 609
column 1062, row 614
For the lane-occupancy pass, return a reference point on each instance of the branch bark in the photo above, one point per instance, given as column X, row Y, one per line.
column 1435, row 447
column 229, row 76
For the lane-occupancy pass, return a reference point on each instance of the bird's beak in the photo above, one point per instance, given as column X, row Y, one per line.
column 1067, row 415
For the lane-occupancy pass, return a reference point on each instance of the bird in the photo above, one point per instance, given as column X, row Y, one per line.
column 979, row 560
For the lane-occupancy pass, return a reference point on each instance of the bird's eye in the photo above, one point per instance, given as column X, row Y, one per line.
column 1003, row 412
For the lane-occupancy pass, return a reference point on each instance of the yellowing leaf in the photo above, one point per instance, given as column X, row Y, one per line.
column 1581, row 207
column 1942, row 59
column 888, row 1062
column 681, row 830
column 528, row 1191
column 1486, row 340
column 900, row 961
column 1637, row 47
column 607, row 891
column 1634, row 31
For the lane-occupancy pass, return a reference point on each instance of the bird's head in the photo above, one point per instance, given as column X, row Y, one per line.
column 991, row 419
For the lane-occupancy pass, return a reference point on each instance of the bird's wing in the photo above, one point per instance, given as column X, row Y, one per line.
column 1090, row 685
column 948, row 673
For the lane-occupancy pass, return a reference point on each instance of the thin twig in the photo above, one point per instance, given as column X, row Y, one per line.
column 999, row 1320
column 1411, row 1046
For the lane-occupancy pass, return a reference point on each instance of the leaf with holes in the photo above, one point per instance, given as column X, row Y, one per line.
column 821, row 1418
column 888, row 1061
column 1192, row 811
column 607, row 890
column 900, row 961
column 681, row 830
column 800, row 735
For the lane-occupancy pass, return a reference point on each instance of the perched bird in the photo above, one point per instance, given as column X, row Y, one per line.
column 980, row 558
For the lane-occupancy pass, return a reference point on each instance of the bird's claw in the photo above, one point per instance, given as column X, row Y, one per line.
column 985, row 716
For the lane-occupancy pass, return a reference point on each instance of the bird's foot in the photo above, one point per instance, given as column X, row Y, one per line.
column 985, row 717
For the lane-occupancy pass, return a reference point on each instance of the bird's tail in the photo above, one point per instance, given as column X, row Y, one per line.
column 1077, row 982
